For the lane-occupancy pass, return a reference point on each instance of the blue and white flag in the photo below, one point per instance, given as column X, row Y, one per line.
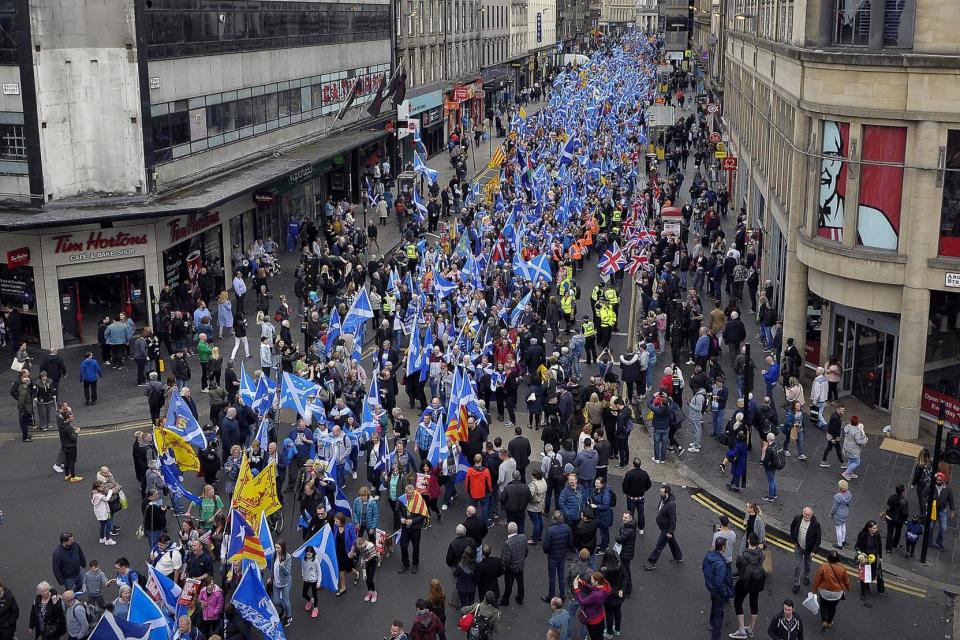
column 263, row 398
column 382, row 456
column 263, row 433
column 294, row 392
column 266, row 538
column 340, row 501
column 442, row 286
column 420, row 168
column 163, row 590
column 462, row 467
column 367, row 421
column 419, row 208
column 417, row 140
column 438, row 446
column 180, row 420
column 517, row 312
column 334, row 330
column 248, row 388
column 173, row 478
column 113, row 628
column 325, row 544
column 254, row 605
column 539, row 269
column 566, row 153
column 143, row 610
column 360, row 311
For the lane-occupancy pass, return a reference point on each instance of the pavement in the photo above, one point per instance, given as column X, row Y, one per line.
column 654, row 604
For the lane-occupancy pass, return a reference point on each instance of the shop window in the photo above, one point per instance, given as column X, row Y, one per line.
column 941, row 378
column 950, row 205
column 13, row 143
column 881, row 186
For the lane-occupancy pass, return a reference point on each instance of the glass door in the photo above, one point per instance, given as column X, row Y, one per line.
column 71, row 315
column 843, row 346
column 867, row 360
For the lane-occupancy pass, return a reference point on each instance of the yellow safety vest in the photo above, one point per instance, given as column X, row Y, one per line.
column 388, row 303
column 611, row 296
column 617, row 215
column 411, row 251
column 589, row 329
column 595, row 294
column 607, row 317
column 566, row 304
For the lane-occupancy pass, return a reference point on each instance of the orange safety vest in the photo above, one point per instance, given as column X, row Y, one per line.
column 575, row 251
column 588, row 239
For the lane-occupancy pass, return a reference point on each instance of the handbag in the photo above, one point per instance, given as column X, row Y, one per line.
column 466, row 620
column 16, row 365
column 768, row 561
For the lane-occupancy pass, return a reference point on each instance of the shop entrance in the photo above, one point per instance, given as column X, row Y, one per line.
column 868, row 357
column 85, row 301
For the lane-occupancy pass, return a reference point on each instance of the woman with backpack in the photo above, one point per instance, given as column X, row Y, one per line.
column 751, row 581
column 485, row 618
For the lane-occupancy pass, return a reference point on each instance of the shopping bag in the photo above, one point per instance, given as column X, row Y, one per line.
column 811, row 604
column 466, row 620
column 16, row 365
column 866, row 573
column 768, row 561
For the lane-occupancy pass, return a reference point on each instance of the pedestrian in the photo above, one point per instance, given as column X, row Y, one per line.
column 840, row 512
column 45, row 396
column 736, row 456
column 556, row 542
column 602, row 503
column 69, row 434
column 786, row 625
column 793, row 428
column 100, row 499
column 154, row 517
column 280, row 578
column 772, row 460
column 411, row 526
column 591, row 596
column 834, row 436
column 486, row 617
column 75, row 613
column 186, row 630
column 751, row 579
column 667, row 523
column 636, row 483
column 463, row 574
column 696, row 406
column 24, row 397
column 942, row 496
column 854, row 440
column 366, row 559
column 514, row 556
column 719, row 582
column 830, row 584
column 921, row 478
column 211, row 607
column 90, row 372
column 93, row 584
column 724, row 531
column 426, row 625
column 627, row 539
column 805, row 536
column 488, row 572
column 612, row 569
column 869, row 549
column 396, row 631
column 818, row 396
column 895, row 514
column 9, row 613
column 559, row 620
column 479, row 487
column 535, row 507
column 47, row 615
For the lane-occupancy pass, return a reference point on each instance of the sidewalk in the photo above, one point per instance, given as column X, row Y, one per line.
column 805, row 483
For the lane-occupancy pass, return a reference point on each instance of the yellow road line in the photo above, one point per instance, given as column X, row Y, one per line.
column 704, row 501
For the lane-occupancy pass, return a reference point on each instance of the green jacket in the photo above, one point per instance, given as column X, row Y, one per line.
column 204, row 350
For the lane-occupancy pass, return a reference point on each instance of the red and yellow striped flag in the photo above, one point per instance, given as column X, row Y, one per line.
column 498, row 159
column 418, row 505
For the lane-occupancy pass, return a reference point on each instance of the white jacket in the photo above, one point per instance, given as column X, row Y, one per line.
column 818, row 390
column 101, row 505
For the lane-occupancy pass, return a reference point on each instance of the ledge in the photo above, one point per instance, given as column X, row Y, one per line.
column 866, row 266
column 944, row 262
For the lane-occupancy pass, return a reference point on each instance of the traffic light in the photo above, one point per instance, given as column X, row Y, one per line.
column 951, row 454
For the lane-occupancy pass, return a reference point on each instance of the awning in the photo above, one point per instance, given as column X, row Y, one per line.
column 200, row 196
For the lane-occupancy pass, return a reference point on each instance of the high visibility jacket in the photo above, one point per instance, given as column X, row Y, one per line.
column 601, row 219
column 617, row 216
column 388, row 303
column 411, row 251
column 588, row 329
column 596, row 293
column 588, row 238
column 566, row 304
column 610, row 295
column 607, row 317
column 576, row 251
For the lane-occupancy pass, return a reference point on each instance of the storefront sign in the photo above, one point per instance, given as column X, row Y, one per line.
column 432, row 117
column 462, row 93
column 424, row 103
column 263, row 197
column 300, row 175
column 97, row 245
column 183, row 227
column 952, row 279
column 930, row 404
column 18, row 257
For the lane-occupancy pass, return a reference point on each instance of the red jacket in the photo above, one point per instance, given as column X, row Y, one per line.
column 478, row 483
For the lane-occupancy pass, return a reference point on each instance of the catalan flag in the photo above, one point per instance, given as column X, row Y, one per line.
column 416, row 504
column 498, row 159
column 244, row 542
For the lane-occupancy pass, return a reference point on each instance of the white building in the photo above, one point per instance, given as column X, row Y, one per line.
column 646, row 15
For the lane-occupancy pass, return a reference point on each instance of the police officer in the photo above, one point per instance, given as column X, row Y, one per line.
column 412, row 258
column 589, row 339
column 595, row 296
column 608, row 319
column 613, row 300
column 568, row 307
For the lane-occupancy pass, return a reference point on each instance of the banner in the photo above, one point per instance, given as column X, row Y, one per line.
column 881, row 187
column 834, row 146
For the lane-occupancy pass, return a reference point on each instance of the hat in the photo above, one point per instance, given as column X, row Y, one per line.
column 940, row 475
column 855, row 420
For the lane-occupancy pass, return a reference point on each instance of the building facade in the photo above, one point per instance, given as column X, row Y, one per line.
column 541, row 38
column 847, row 132
column 646, row 15
column 495, row 53
column 143, row 140
column 617, row 16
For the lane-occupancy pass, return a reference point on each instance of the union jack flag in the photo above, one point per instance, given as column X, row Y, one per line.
column 638, row 261
column 612, row 260
column 499, row 253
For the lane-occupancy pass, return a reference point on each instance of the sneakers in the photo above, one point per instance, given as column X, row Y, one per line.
column 692, row 450
column 676, row 561
column 738, row 634
column 308, row 605
column 367, row 597
column 76, row 479
column 443, row 508
column 58, row 468
column 825, row 465
column 354, row 475
column 844, row 465
column 786, row 453
column 109, row 542
column 801, row 457
column 315, row 613
column 769, row 498
column 723, row 469
column 373, row 598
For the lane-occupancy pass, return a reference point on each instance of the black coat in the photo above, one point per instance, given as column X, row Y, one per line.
column 519, row 450
column 487, row 575
column 627, row 539
column 9, row 613
column 813, row 533
column 456, row 549
column 636, row 482
column 54, row 620
column 667, row 515
column 476, row 529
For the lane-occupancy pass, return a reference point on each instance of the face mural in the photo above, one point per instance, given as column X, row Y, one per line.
column 881, row 187
column 833, row 179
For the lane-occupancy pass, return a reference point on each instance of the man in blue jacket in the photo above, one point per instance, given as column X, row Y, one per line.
column 303, row 440
column 556, row 542
column 90, row 372
column 770, row 375
column 572, row 500
column 719, row 582
column 701, row 350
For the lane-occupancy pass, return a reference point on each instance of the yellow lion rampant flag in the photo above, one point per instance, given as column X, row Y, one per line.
column 183, row 453
column 256, row 494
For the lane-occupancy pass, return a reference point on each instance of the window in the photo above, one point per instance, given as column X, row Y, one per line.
column 13, row 143
column 881, row 186
column 950, row 205
column 785, row 21
column 852, row 22
column 941, row 378
column 898, row 18
column 420, row 17
column 221, row 118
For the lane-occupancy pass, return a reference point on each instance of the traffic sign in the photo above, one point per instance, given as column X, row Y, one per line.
column 721, row 146
column 720, row 155
column 729, row 163
column 713, row 107
column 715, row 137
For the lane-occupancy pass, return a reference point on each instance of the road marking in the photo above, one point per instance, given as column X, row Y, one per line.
column 704, row 501
column 91, row 431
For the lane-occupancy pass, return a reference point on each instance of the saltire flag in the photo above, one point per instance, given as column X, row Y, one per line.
column 294, row 392
column 520, row 267
column 637, row 262
column 266, row 538
column 358, row 344
column 263, row 398
column 420, row 167
column 110, row 627
column 383, row 456
column 251, row 601
column 539, row 269
column 367, row 421
column 519, row 309
column 143, row 610
column 248, row 388
column 566, row 152
column 462, row 467
column 181, row 421
column 418, row 141
column 181, row 451
column 370, row 197
column 173, row 478
column 340, row 501
column 162, row 589
column 333, row 331
column 426, row 350
column 498, row 159
column 244, row 543
column 612, row 260
column 419, row 208
column 438, row 445
column 393, row 284
column 360, row 311
column 442, row 286
column 416, row 504
column 456, row 428
column 263, row 433
column 325, row 544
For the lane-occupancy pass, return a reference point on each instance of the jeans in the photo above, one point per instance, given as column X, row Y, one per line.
column 572, row 607
column 72, row 584
column 106, row 526
column 661, row 440
column 650, row 368
column 821, row 423
column 800, row 557
column 635, row 507
column 536, row 518
column 90, row 391
column 771, row 483
column 718, row 422
column 141, row 370
column 483, row 507
column 553, row 491
column 943, row 516
column 800, row 438
column 766, row 333
column 739, row 386
column 152, row 537
column 603, row 537
column 852, row 463
column 717, row 605
column 45, row 414
column 556, row 573
column 622, row 446
column 281, row 597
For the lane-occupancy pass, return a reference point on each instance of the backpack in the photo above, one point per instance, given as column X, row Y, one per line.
column 15, row 390
column 613, row 499
column 780, row 458
column 91, row 612
column 555, row 472
column 480, row 629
